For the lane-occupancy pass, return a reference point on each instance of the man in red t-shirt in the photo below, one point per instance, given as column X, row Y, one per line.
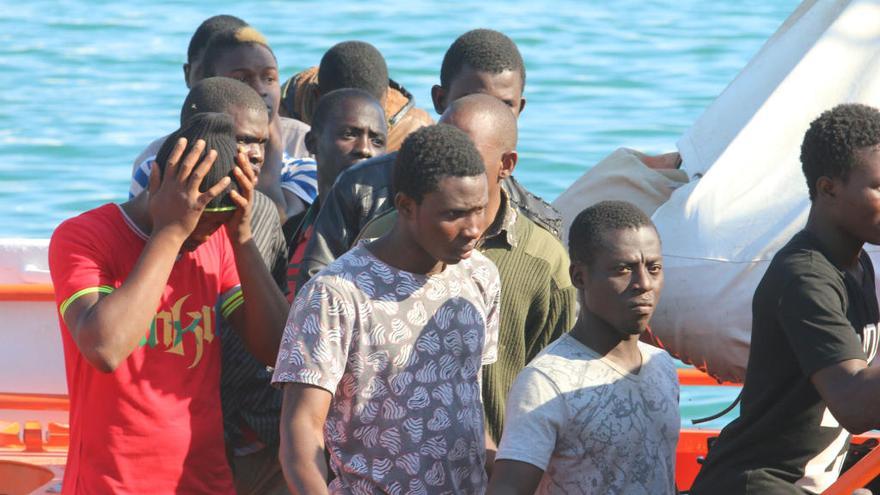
column 136, row 286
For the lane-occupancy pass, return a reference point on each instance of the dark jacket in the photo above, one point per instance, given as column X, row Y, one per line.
column 364, row 191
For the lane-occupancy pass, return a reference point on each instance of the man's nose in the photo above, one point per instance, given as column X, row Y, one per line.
column 643, row 280
column 363, row 147
column 475, row 224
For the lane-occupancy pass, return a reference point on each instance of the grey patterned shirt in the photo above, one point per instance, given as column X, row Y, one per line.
column 592, row 427
column 401, row 353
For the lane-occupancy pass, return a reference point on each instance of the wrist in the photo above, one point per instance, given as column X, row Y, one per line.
column 169, row 235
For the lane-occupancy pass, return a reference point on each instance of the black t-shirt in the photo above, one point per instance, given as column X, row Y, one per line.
column 806, row 315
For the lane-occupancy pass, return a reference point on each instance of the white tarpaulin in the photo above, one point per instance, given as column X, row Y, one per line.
column 720, row 231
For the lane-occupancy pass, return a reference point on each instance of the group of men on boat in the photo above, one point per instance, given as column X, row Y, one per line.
column 314, row 289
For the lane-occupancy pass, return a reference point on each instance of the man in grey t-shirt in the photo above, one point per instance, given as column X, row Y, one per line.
column 597, row 410
column 381, row 355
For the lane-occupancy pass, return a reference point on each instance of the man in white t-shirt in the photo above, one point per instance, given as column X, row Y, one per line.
column 381, row 356
column 596, row 412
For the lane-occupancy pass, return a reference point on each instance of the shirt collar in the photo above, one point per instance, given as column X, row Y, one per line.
column 504, row 228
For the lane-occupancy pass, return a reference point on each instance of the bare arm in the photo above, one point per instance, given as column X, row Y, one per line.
column 260, row 320
column 851, row 390
column 514, row 478
column 107, row 328
column 301, row 454
column 491, row 450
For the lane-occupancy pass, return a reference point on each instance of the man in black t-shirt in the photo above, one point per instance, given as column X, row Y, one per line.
column 814, row 327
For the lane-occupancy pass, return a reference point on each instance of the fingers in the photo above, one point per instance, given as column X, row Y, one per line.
column 195, row 178
column 215, row 191
column 174, row 158
column 189, row 161
column 153, row 185
column 244, row 164
column 238, row 199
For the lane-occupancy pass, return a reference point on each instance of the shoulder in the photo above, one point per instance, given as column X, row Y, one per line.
column 480, row 268
column 92, row 223
column 368, row 171
column 799, row 266
column 558, row 360
column 659, row 367
column 538, row 243
column 340, row 272
column 149, row 153
column 292, row 127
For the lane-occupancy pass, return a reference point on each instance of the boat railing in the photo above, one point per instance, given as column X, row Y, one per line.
column 56, row 434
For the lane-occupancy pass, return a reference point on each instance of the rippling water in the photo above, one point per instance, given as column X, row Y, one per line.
column 84, row 86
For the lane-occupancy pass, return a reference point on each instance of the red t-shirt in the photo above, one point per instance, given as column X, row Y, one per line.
column 153, row 425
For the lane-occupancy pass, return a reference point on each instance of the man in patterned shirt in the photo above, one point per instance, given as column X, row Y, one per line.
column 381, row 356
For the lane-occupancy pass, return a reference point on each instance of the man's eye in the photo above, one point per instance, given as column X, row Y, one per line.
column 379, row 142
column 655, row 269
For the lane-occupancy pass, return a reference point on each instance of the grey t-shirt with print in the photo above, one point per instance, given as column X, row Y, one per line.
column 401, row 353
column 592, row 427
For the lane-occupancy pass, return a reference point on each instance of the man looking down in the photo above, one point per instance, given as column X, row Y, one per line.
column 380, row 360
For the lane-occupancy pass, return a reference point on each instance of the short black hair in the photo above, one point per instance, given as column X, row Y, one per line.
column 353, row 64
column 219, row 94
column 586, row 236
column 208, row 28
column 332, row 100
column 833, row 139
column 484, row 50
column 217, row 130
column 223, row 41
column 430, row 154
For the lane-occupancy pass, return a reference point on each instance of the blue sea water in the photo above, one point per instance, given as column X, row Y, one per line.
column 84, row 86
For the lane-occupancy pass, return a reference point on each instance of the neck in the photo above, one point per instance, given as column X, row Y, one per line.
column 493, row 208
column 599, row 336
column 399, row 249
column 138, row 210
column 841, row 248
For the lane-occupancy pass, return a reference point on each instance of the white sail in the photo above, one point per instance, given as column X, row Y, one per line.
column 747, row 196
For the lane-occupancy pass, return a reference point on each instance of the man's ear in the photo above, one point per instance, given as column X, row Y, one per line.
column 186, row 68
column 406, row 206
column 508, row 164
column 310, row 140
column 827, row 186
column 438, row 96
column 578, row 273
column 522, row 105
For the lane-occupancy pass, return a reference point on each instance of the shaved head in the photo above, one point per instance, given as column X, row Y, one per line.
column 486, row 119
column 491, row 125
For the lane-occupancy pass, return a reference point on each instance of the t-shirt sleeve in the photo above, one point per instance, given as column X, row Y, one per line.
column 300, row 176
column 77, row 264
column 813, row 317
column 533, row 419
column 493, row 304
column 315, row 344
column 231, row 297
column 140, row 176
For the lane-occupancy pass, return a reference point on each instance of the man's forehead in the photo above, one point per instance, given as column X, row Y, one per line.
column 359, row 112
column 630, row 244
column 487, row 80
column 460, row 192
column 249, row 120
column 251, row 56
